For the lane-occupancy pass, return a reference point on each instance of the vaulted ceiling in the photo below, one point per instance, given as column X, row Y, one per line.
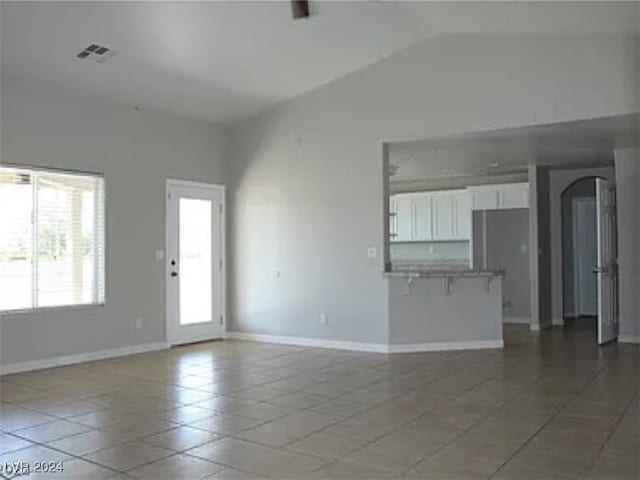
column 224, row 61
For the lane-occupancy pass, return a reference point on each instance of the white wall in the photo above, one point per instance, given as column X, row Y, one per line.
column 137, row 151
column 628, row 184
column 307, row 181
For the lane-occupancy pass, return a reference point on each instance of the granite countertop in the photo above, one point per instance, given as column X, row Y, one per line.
column 422, row 272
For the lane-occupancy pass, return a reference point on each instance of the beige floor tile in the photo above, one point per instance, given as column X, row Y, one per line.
column 49, row 431
column 71, row 409
column 230, row 452
column 14, row 418
column 454, row 466
column 284, row 464
column 105, row 417
column 181, row 438
column 226, row 424
column 388, row 456
column 176, row 466
column 275, row 434
column 262, row 411
column 616, row 467
column 10, row 443
column 340, row 470
column 128, row 456
column 551, row 405
column 35, row 453
column 85, row 443
column 186, row 414
column 234, row 474
column 138, row 428
column 326, row 445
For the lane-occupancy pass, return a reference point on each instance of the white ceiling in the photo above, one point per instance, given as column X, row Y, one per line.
column 224, row 61
column 509, row 151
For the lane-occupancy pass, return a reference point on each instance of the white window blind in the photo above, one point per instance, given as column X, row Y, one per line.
column 51, row 238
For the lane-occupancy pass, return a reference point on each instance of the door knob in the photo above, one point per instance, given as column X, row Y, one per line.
column 174, row 274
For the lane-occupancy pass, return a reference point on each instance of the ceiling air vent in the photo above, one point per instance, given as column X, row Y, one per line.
column 96, row 52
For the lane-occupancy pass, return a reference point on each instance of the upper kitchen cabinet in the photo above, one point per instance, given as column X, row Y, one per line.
column 431, row 216
column 499, row 197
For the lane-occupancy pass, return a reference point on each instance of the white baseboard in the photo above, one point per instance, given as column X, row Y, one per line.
column 534, row 327
column 445, row 346
column 510, row 319
column 629, row 338
column 80, row 358
column 558, row 322
column 309, row 342
column 365, row 347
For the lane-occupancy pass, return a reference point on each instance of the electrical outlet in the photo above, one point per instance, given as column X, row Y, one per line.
column 139, row 323
column 323, row 319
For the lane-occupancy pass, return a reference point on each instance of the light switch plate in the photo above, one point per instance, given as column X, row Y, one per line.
column 159, row 255
column 372, row 252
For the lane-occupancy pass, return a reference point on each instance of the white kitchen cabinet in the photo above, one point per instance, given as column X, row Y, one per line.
column 430, row 216
column 499, row 197
column 514, row 195
column 484, row 197
column 462, row 214
column 422, row 218
column 442, row 203
column 404, row 219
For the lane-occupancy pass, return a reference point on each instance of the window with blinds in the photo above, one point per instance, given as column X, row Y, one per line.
column 51, row 238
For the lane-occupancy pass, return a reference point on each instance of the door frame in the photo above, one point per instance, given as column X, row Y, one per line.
column 214, row 187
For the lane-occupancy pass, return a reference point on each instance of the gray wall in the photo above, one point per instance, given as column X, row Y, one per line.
column 540, row 247
column 423, row 313
column 628, row 185
column 307, row 180
column 137, row 151
column 508, row 249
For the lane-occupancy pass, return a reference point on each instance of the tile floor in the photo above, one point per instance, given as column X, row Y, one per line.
column 549, row 406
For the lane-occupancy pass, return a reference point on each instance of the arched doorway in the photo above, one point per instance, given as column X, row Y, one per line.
column 579, row 257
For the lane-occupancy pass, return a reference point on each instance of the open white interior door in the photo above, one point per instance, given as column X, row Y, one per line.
column 607, row 267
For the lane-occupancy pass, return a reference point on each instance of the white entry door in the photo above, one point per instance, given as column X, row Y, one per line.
column 607, row 267
column 194, row 262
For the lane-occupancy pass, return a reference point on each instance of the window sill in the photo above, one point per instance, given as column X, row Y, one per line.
column 26, row 311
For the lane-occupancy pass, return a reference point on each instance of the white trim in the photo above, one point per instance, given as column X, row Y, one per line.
column 557, row 321
column 81, row 357
column 510, row 319
column 534, row 327
column 309, row 342
column 174, row 182
column 365, row 347
column 445, row 346
column 629, row 338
